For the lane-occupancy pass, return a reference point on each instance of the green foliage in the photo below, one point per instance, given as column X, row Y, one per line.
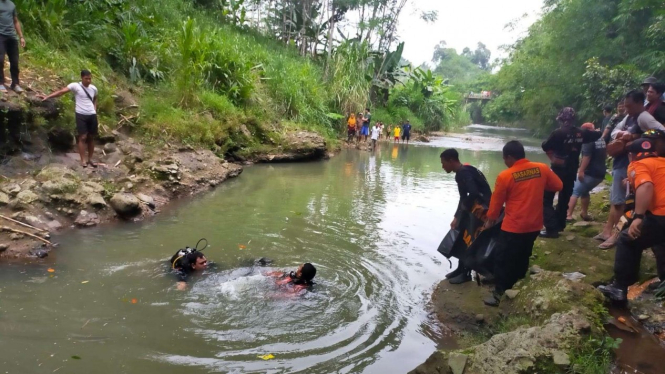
column 425, row 94
column 595, row 356
column 605, row 86
column 458, row 69
column 582, row 54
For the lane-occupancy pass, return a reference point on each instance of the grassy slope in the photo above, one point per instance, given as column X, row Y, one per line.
column 278, row 90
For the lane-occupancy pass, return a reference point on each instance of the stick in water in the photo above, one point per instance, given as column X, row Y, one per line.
column 5, row 228
column 22, row 224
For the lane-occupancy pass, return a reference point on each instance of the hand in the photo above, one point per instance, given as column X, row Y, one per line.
column 181, row 286
column 453, row 224
column 625, row 182
column 22, row 42
column 634, row 230
column 580, row 176
column 626, row 137
column 41, row 97
column 489, row 223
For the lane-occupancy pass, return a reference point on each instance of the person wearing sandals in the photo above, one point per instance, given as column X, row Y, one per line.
column 589, row 175
column 85, row 96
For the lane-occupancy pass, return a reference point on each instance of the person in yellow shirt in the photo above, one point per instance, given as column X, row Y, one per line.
column 397, row 134
column 351, row 129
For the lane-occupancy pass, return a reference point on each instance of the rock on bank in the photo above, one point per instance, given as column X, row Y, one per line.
column 536, row 332
column 50, row 192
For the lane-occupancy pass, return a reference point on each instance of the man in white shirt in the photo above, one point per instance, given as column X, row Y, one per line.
column 85, row 96
column 376, row 132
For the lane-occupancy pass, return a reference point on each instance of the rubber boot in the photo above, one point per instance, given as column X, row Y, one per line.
column 494, row 299
column 462, row 278
column 456, row 272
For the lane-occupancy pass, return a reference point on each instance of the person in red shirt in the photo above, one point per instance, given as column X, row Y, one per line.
column 647, row 230
column 521, row 188
column 295, row 281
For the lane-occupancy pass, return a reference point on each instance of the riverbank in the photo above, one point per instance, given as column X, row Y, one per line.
column 548, row 323
column 44, row 189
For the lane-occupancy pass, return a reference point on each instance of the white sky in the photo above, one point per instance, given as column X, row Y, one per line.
column 464, row 23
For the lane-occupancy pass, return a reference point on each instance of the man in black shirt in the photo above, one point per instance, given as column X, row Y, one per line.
column 563, row 147
column 475, row 194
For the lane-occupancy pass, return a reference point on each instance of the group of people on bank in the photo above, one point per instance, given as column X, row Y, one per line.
column 523, row 200
column 359, row 128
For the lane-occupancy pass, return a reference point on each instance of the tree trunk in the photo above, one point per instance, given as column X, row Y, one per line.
column 329, row 44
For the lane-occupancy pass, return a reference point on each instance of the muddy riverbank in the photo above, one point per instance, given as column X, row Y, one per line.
column 548, row 323
column 44, row 191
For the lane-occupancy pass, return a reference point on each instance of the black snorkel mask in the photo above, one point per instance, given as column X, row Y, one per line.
column 175, row 260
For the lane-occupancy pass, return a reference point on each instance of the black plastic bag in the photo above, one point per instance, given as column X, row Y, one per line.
column 448, row 243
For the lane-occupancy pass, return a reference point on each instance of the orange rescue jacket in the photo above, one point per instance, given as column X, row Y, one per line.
column 521, row 189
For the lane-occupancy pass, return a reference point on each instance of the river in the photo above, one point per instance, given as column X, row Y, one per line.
column 104, row 301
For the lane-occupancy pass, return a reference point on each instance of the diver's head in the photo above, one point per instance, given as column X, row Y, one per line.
column 194, row 261
column 306, row 272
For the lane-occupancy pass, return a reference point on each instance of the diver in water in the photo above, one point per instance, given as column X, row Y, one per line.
column 299, row 280
column 187, row 261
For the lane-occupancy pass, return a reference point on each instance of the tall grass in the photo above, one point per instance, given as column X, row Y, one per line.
column 199, row 80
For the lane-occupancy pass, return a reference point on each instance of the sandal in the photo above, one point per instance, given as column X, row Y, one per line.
column 92, row 164
column 600, row 237
column 609, row 243
column 586, row 218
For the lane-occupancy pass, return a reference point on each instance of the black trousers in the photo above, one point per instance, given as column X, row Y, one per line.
column 9, row 46
column 511, row 261
column 629, row 251
column 555, row 218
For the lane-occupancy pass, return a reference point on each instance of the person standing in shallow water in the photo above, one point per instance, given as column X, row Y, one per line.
column 475, row 194
column 85, row 96
column 376, row 133
column 11, row 36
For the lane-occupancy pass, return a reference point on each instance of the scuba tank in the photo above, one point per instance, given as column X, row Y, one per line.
column 177, row 258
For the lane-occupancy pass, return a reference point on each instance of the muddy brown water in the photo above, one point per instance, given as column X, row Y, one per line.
column 640, row 351
column 370, row 222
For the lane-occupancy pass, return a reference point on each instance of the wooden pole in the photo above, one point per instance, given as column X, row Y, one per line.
column 5, row 228
column 22, row 224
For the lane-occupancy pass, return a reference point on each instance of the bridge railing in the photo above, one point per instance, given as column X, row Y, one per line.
column 479, row 96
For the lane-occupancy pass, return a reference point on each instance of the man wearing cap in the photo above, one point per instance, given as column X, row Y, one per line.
column 563, row 147
column 589, row 175
column 647, row 230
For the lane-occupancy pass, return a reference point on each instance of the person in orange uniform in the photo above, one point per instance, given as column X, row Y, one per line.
column 521, row 188
column 647, row 230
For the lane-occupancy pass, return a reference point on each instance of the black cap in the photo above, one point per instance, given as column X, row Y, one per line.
column 650, row 80
column 654, row 134
column 642, row 145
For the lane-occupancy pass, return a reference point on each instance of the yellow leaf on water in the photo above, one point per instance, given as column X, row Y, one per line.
column 84, row 282
column 50, row 270
column 269, row 356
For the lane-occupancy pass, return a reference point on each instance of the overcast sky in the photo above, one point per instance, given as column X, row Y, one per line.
column 464, row 23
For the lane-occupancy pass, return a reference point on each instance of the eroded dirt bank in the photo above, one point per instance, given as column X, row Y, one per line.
column 44, row 191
